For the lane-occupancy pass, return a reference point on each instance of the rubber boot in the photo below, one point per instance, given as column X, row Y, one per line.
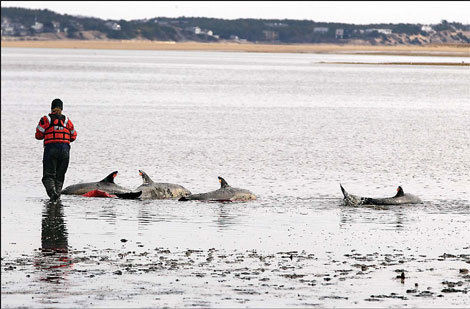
column 54, row 197
column 50, row 187
column 58, row 188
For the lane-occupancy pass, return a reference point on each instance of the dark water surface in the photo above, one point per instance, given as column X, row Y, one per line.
column 283, row 126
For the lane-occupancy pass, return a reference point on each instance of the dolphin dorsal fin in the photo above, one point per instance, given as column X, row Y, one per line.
column 110, row 177
column 145, row 178
column 399, row 192
column 223, row 183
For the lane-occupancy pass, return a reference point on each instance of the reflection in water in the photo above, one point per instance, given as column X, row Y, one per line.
column 399, row 220
column 148, row 214
column 376, row 214
column 145, row 216
column 106, row 212
column 224, row 217
column 54, row 257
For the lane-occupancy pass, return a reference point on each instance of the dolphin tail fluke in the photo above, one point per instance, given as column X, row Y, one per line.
column 352, row 200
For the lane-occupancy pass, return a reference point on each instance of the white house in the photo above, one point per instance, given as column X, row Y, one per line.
column 339, row 33
column 270, row 35
column 280, row 25
column 384, row 31
column 113, row 26
column 427, row 28
column 8, row 30
column 56, row 26
column 320, row 29
column 195, row 30
column 37, row 27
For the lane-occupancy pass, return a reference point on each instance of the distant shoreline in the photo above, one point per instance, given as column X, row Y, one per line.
column 407, row 50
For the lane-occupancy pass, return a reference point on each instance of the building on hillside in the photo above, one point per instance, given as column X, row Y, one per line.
column 15, row 29
column 22, row 31
column 339, row 33
column 427, row 28
column 276, row 25
column 5, row 21
column 8, row 30
column 383, row 31
column 321, row 30
column 113, row 26
column 271, row 35
column 37, row 27
column 75, row 24
column 56, row 26
column 195, row 30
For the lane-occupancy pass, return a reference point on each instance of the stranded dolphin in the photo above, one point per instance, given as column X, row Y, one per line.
column 153, row 190
column 225, row 193
column 107, row 185
column 400, row 198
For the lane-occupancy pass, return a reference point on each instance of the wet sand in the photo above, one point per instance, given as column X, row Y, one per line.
column 431, row 50
column 220, row 278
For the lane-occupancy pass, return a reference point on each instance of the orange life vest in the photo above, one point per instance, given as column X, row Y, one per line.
column 58, row 131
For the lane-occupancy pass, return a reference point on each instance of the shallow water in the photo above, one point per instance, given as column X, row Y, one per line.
column 283, row 126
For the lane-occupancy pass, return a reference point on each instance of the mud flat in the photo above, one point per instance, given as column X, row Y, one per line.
column 430, row 50
column 217, row 277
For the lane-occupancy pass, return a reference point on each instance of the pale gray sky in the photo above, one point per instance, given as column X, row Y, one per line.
column 355, row 12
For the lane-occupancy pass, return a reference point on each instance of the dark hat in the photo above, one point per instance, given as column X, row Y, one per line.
column 57, row 103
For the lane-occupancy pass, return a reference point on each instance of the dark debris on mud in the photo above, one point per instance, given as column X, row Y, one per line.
column 247, row 273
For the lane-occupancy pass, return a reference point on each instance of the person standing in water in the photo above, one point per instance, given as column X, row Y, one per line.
column 58, row 132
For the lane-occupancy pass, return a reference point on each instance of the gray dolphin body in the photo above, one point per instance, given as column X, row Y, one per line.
column 399, row 199
column 106, row 185
column 225, row 193
column 154, row 190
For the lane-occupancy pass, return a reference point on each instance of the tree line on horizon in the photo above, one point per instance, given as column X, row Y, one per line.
column 212, row 29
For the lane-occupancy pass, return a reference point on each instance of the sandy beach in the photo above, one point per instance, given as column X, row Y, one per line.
column 431, row 50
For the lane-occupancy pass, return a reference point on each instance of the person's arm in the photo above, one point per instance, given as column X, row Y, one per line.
column 73, row 133
column 41, row 128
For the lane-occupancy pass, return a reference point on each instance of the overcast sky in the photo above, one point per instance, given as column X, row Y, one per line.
column 355, row 12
